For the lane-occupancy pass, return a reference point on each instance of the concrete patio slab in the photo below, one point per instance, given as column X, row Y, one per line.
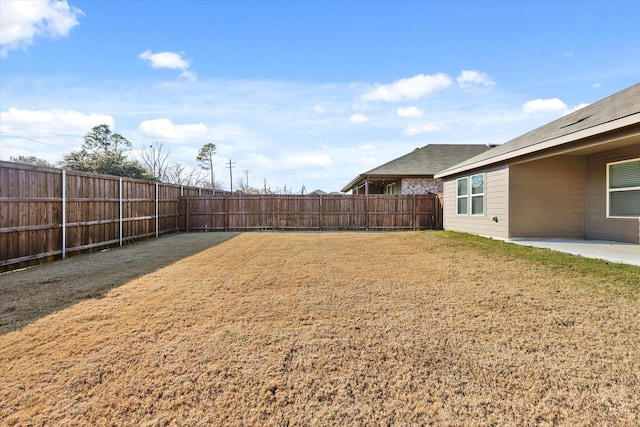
column 625, row 253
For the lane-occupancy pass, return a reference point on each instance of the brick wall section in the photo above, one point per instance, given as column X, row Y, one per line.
column 421, row 186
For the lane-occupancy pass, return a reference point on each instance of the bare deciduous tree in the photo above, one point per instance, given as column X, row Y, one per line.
column 181, row 174
column 155, row 158
column 246, row 189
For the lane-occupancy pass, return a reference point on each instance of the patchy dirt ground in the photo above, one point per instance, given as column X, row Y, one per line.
column 314, row 329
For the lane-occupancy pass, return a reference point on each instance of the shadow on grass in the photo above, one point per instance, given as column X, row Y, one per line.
column 29, row 294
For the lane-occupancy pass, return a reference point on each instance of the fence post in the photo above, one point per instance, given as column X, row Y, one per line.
column 352, row 218
column 64, row 214
column 120, row 210
column 186, row 217
column 226, row 212
column 438, row 206
column 366, row 209
column 274, row 217
column 320, row 212
column 414, row 214
column 157, row 211
column 436, row 214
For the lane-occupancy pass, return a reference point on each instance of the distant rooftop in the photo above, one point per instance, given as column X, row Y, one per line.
column 423, row 162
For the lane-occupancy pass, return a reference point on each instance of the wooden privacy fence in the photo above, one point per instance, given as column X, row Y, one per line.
column 46, row 213
column 321, row 212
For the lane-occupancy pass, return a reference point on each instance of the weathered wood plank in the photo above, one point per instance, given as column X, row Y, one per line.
column 31, row 211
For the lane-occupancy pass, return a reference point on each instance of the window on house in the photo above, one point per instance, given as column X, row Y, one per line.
column 477, row 194
column 462, row 196
column 391, row 188
column 623, row 189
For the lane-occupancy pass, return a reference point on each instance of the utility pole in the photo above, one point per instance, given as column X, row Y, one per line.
column 265, row 185
column 231, row 165
column 246, row 173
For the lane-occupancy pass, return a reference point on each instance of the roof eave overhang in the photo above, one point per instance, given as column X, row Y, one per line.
column 362, row 177
column 545, row 145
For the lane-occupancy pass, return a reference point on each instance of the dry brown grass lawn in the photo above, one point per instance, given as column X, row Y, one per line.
column 316, row 329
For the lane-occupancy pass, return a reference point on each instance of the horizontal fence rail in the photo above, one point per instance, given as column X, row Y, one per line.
column 315, row 212
column 46, row 213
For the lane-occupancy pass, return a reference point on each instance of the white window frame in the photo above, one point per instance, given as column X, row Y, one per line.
column 615, row 190
column 473, row 195
column 460, row 196
column 470, row 195
column 391, row 188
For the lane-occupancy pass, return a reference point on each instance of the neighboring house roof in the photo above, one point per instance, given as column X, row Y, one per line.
column 614, row 112
column 422, row 162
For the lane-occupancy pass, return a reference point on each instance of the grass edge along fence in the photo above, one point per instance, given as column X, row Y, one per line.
column 47, row 213
column 228, row 212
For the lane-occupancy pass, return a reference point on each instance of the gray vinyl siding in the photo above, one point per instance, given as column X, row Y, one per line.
column 547, row 198
column 496, row 199
column 598, row 226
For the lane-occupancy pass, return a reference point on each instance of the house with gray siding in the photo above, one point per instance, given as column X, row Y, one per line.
column 576, row 177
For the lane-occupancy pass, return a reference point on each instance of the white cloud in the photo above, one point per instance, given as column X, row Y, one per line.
column 301, row 161
column 579, row 107
column 260, row 160
column 22, row 21
column 409, row 112
column 362, row 161
column 549, row 106
column 38, row 123
column 411, row 88
column 359, row 118
column 192, row 76
column 419, row 129
column 474, row 78
column 164, row 129
column 319, row 109
column 366, row 147
column 171, row 60
column 545, row 106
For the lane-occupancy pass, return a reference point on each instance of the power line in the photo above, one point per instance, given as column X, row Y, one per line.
column 33, row 140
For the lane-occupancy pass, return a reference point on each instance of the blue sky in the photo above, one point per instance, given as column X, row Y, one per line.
column 303, row 93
